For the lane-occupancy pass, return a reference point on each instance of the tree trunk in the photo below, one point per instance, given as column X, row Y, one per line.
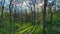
column 10, row 7
column 50, row 15
column 44, row 17
column 2, row 11
column 0, row 20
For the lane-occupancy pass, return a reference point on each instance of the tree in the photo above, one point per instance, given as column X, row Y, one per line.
column 0, row 23
column 50, row 8
column 33, row 15
column 15, row 14
column 44, row 16
column 3, row 2
column 10, row 8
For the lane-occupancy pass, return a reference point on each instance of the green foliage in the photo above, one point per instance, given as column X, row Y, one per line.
column 27, row 28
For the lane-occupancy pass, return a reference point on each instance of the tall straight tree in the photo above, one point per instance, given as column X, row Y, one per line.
column 44, row 16
column 0, row 23
column 10, row 8
column 51, row 12
column 33, row 14
column 33, row 2
column 21, row 14
column 14, row 6
column 50, row 8
column 15, row 14
column 30, row 3
column 2, row 2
